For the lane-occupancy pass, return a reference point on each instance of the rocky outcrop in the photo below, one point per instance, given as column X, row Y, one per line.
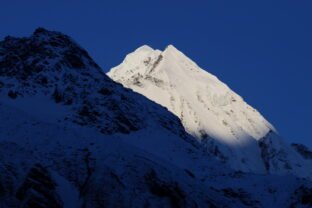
column 303, row 150
column 38, row 190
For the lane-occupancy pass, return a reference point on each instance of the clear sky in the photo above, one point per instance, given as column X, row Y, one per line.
column 261, row 49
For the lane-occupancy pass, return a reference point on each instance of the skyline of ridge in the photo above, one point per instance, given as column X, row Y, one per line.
column 264, row 58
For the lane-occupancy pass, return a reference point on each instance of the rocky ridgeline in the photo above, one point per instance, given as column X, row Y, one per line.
column 51, row 64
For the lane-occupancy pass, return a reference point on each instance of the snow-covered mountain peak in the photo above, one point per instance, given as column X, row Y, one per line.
column 171, row 49
column 145, row 48
column 173, row 72
column 71, row 137
column 220, row 119
column 148, row 48
column 59, row 105
column 40, row 31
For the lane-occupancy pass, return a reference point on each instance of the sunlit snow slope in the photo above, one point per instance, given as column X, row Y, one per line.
column 225, row 124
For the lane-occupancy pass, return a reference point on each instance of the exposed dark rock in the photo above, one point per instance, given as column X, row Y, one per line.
column 160, row 188
column 89, row 162
column 57, row 95
column 243, row 196
column 189, row 173
column 303, row 150
column 265, row 154
column 211, row 147
column 160, row 57
column 74, row 61
column 105, row 91
column 38, row 190
column 12, row 94
column 302, row 196
column 273, row 158
column 40, row 30
column 2, row 190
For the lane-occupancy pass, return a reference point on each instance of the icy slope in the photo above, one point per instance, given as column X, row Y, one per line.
column 221, row 120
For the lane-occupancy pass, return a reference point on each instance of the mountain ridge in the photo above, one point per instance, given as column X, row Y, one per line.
column 71, row 137
column 218, row 117
column 61, row 110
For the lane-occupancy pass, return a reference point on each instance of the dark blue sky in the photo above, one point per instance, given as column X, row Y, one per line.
column 261, row 49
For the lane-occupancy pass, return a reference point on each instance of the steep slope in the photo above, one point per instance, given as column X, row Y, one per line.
column 222, row 121
column 71, row 137
column 65, row 122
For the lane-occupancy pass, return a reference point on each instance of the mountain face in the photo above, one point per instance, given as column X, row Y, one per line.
column 63, row 121
column 71, row 137
column 221, row 120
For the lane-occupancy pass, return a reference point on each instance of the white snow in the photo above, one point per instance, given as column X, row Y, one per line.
column 207, row 107
column 119, row 168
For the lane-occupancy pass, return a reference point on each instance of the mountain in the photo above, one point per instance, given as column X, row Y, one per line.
column 71, row 137
column 220, row 119
column 63, row 120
